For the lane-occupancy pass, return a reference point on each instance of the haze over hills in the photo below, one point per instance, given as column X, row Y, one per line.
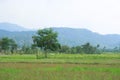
column 11, row 27
column 66, row 36
column 75, row 37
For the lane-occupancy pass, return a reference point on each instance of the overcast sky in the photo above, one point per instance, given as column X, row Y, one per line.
column 102, row 16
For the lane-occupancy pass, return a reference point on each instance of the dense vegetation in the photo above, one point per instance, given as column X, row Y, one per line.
column 7, row 44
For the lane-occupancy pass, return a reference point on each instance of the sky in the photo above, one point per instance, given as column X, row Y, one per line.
column 102, row 16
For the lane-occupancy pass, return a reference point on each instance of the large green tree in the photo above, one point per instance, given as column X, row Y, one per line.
column 46, row 39
column 7, row 44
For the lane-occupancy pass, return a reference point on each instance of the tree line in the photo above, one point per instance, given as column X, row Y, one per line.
column 85, row 48
column 46, row 41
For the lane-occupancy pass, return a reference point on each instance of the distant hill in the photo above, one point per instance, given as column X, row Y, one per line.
column 66, row 36
column 73, row 37
column 11, row 27
column 22, row 37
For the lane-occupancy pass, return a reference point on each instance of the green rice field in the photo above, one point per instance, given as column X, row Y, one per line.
column 60, row 67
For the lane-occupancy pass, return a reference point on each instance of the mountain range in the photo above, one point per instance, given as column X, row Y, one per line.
column 66, row 36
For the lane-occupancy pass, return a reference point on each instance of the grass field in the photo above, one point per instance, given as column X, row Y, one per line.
column 60, row 67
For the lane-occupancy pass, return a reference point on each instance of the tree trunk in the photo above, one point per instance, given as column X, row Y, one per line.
column 37, row 54
column 45, row 54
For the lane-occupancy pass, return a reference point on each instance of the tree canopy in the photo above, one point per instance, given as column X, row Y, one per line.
column 89, row 49
column 46, row 39
column 7, row 44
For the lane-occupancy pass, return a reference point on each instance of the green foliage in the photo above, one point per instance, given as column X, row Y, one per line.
column 7, row 44
column 86, row 48
column 89, row 49
column 46, row 39
column 76, row 49
column 26, row 49
column 64, row 49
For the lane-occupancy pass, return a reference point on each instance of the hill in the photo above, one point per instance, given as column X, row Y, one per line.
column 67, row 36
column 73, row 37
column 11, row 27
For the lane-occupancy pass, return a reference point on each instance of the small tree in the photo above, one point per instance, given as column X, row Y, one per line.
column 89, row 49
column 7, row 44
column 46, row 39
column 73, row 50
column 64, row 49
column 78, row 49
column 13, row 45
